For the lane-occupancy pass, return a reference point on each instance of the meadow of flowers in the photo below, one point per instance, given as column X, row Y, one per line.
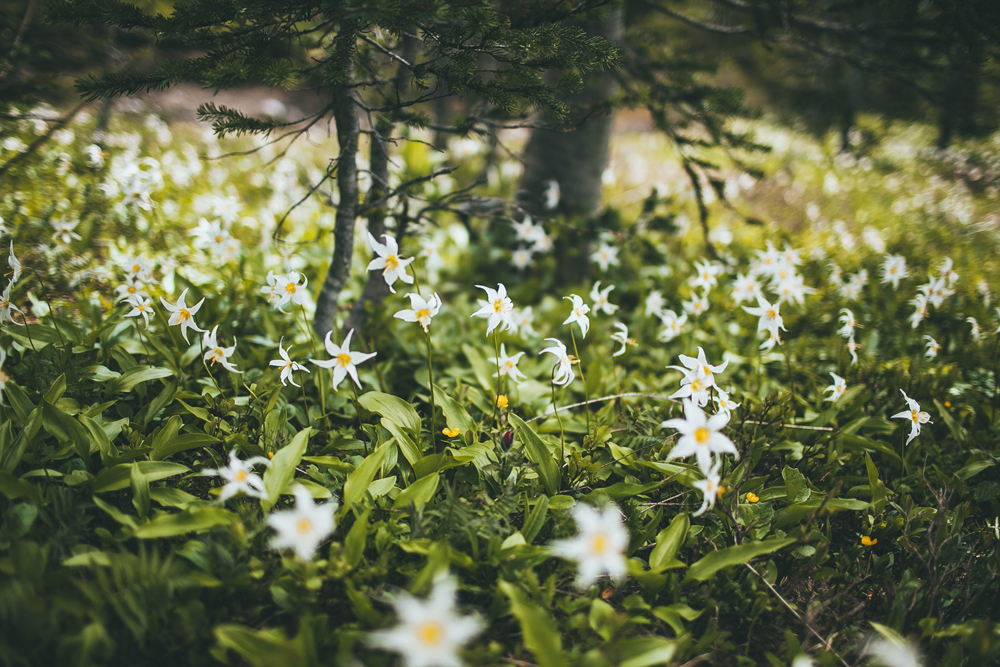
column 557, row 442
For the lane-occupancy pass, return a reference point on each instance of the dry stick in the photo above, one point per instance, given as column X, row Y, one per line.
column 599, row 400
column 795, row 612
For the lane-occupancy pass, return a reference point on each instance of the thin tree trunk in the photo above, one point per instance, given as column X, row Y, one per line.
column 575, row 154
column 345, row 115
column 376, row 289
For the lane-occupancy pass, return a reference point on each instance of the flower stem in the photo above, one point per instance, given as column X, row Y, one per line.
column 583, row 376
column 496, row 347
column 319, row 370
column 357, row 410
column 430, row 375
column 562, row 435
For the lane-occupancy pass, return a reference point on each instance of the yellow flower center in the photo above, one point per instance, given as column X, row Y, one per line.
column 498, row 306
column 701, row 435
column 771, row 314
column 3, row 377
column 290, row 288
column 184, row 314
column 697, row 386
column 240, row 476
column 344, row 359
column 131, row 289
column 136, row 268
column 423, row 313
column 430, row 633
column 915, row 416
column 391, row 263
column 599, row 543
column 218, row 239
column 304, row 525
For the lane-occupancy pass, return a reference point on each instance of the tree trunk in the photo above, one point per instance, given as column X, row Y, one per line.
column 575, row 154
column 345, row 117
column 376, row 288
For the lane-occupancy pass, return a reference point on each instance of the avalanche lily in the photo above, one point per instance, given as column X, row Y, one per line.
column 600, row 299
column 302, row 529
column 14, row 264
column 599, row 547
column 564, row 363
column 240, row 477
column 218, row 354
column 508, row 365
column 343, row 361
column 421, row 310
column 915, row 416
column 622, row 337
column 287, row 366
column 498, row 308
column 836, row 389
column 700, row 435
column 393, row 266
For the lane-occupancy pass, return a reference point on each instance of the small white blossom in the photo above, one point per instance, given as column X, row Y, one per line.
column 599, row 546
column 14, row 264
column 654, row 303
column 605, row 256
column 388, row 259
column 302, row 529
column 933, row 347
column 578, row 314
column 287, row 366
column 497, row 308
column 421, row 310
column 563, row 369
column 914, row 415
column 218, row 354
column 673, row 325
column 343, row 360
column 709, row 487
column 240, row 477
column 701, row 435
column 600, row 299
column 508, row 365
column 621, row 337
column 182, row 314
column 140, row 308
column 894, row 270
column 836, row 389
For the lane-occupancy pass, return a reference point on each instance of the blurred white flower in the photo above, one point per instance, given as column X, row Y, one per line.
column 894, row 653
column 182, row 314
column 894, row 270
column 218, row 354
column 770, row 319
column 724, row 403
column 528, row 231
column 599, row 546
column 522, row 320
column 563, row 369
column 705, row 278
column 131, row 288
column 140, row 308
column 697, row 305
column 552, row 194
column 578, row 314
column 14, row 264
column 836, row 389
column 600, row 299
column 977, row 331
column 393, row 266
column 240, row 477
column 521, row 258
column 920, row 310
column 64, row 230
column 508, row 365
column 709, row 487
column 302, row 529
column 498, row 308
column 933, row 347
column 852, row 347
column 745, row 288
column 622, row 337
column 847, row 323
column 673, row 325
column 654, row 303
column 605, row 256
column 701, row 435
column 429, row 633
column 6, row 307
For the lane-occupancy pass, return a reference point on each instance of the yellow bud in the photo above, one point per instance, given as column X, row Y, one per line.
column 451, row 432
column 868, row 542
column 502, row 401
column 752, row 497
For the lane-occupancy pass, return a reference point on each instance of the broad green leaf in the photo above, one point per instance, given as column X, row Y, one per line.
column 359, row 480
column 420, row 492
column 331, row 462
column 454, row 414
column 99, row 373
column 796, row 486
column 66, row 429
column 282, row 469
column 411, row 452
column 140, row 491
column 171, row 497
column 58, row 388
column 117, row 477
column 534, row 521
column 668, row 542
column 483, row 369
column 12, row 488
column 161, row 401
column 98, row 436
column 647, row 651
column 394, row 409
column 170, row 525
column 708, row 565
column 603, row 619
column 261, row 648
column 971, row 470
column 12, row 447
column 19, row 400
column 541, row 636
column 675, row 614
column 538, row 454
column 620, row 490
column 135, row 376
column 182, row 443
column 116, row 514
column 876, row 485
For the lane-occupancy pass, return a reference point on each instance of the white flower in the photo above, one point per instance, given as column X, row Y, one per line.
column 543, row 244
column 745, row 288
column 654, row 303
column 977, row 331
column 287, row 366
column 303, row 528
column 289, row 290
column 393, row 266
column 599, row 547
column 705, row 278
column 182, row 314
column 933, row 347
column 605, row 256
column 421, row 310
column 894, row 270
column 724, row 403
column 521, row 258
column 240, row 477
column 140, row 307
column 578, row 314
column 709, row 487
column 528, row 231
column 343, row 361
column 946, row 272
column 137, row 268
column 429, row 633
column 920, row 310
column 936, row 291
column 600, row 299
column 915, row 416
column 793, row 288
column 218, row 354
column 64, row 231
column 563, row 371
column 622, row 337
column 697, row 305
column 95, row 156
column 700, row 435
column 698, row 367
column 498, row 308
column 770, row 318
column 131, row 288
column 271, row 290
column 852, row 347
column 673, row 325
column 14, row 265
column 836, row 389
column 508, row 365
column 802, row 660
column 6, row 307
column 894, row 653
column 432, row 252
column 847, row 323
column 769, row 260
column 521, row 321
column 551, row 194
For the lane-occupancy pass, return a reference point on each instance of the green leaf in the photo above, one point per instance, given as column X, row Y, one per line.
column 98, row 436
column 12, row 488
column 135, row 376
column 668, row 542
column 354, row 543
column 394, row 409
column 482, row 369
column 953, row 426
column 170, row 525
column 707, row 566
column 876, row 486
column 66, row 429
column 282, row 469
column 411, row 452
column 359, row 480
column 620, row 490
column 261, row 648
column 331, row 462
column 455, row 415
column 117, row 477
column 541, row 636
column 648, row 651
column 534, row 521
column 537, row 453
column 971, row 470
column 796, row 486
column 57, row 389
column 420, row 492
column 140, row 491
column 182, row 443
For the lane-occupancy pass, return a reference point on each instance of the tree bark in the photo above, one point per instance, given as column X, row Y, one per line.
column 575, row 154
column 376, row 289
column 345, row 116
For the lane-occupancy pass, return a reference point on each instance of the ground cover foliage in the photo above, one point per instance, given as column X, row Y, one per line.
column 830, row 539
